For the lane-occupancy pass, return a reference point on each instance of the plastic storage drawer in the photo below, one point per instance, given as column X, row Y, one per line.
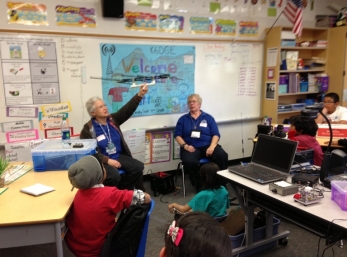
column 258, row 234
column 51, row 155
column 339, row 193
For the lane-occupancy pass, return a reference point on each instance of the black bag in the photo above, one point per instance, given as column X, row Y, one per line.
column 162, row 183
column 124, row 238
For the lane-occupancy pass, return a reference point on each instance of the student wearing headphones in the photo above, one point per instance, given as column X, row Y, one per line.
column 304, row 130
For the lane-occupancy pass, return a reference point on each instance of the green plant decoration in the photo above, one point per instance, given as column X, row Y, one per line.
column 3, row 165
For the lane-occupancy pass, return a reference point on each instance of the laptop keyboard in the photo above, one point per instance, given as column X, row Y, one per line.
column 261, row 173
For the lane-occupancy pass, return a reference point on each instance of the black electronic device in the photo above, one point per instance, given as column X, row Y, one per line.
column 113, row 8
column 340, row 177
column 279, row 132
column 162, row 183
column 302, row 156
column 305, row 179
column 338, row 161
column 337, row 165
column 312, row 111
column 264, row 129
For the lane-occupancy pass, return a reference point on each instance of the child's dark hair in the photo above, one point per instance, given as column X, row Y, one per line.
column 203, row 236
column 307, row 126
column 333, row 96
column 209, row 178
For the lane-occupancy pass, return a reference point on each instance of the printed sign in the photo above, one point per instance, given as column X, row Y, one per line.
column 17, row 126
column 56, row 108
column 28, row 112
column 22, row 136
column 55, row 133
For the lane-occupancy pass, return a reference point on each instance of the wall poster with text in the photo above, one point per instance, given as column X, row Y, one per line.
column 170, row 67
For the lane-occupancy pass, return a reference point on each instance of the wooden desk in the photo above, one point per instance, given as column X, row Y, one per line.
column 322, row 140
column 30, row 220
column 316, row 218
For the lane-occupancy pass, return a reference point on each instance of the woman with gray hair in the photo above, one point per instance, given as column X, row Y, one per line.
column 113, row 150
column 198, row 135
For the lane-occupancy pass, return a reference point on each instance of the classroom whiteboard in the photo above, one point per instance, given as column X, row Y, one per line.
column 227, row 75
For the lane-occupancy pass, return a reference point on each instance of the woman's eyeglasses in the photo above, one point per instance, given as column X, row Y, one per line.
column 100, row 107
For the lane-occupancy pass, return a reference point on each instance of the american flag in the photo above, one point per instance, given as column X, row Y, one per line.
column 293, row 12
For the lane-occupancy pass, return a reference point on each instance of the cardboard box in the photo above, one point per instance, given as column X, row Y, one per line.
column 338, row 130
column 51, row 155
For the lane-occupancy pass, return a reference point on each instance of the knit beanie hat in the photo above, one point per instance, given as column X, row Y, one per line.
column 85, row 173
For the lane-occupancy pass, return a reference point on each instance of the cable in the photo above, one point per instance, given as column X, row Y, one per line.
column 332, row 244
column 162, row 200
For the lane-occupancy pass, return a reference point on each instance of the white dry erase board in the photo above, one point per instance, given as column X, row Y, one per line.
column 227, row 75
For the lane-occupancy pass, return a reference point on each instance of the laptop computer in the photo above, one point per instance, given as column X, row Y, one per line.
column 271, row 160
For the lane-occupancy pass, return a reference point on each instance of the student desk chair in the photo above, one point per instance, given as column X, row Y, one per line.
column 181, row 167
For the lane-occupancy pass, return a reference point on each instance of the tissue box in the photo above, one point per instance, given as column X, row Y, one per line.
column 339, row 193
column 51, row 155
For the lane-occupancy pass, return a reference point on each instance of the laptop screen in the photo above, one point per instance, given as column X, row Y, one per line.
column 274, row 152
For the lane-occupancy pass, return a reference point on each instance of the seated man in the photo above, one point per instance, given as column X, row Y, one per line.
column 332, row 110
column 198, row 135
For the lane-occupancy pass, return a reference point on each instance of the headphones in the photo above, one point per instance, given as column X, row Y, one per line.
column 279, row 132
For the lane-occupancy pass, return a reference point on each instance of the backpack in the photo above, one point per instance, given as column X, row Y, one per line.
column 124, row 238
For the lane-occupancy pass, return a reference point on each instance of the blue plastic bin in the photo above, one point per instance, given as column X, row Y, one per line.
column 51, row 155
column 258, row 234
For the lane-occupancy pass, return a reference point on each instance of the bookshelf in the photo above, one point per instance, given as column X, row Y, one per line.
column 333, row 54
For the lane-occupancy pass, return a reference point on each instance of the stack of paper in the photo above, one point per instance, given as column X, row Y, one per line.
column 37, row 189
column 16, row 171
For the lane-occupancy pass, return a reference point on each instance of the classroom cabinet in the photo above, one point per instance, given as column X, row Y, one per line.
column 323, row 53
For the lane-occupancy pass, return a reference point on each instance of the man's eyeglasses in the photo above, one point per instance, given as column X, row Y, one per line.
column 328, row 102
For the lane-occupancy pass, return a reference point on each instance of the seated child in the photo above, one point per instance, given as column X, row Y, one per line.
column 95, row 206
column 196, row 234
column 213, row 199
column 304, row 130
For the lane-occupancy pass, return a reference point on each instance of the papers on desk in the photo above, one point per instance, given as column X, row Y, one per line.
column 37, row 189
column 16, row 171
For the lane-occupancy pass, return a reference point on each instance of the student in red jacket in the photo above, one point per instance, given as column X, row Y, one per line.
column 304, row 130
column 95, row 206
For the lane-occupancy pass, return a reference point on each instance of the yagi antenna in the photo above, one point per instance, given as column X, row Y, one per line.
column 138, row 85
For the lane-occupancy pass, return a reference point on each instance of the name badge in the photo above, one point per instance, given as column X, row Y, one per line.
column 195, row 134
column 100, row 138
column 111, row 148
column 203, row 123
